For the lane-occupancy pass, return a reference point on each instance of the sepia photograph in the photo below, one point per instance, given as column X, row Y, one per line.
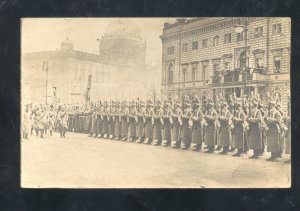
column 195, row 102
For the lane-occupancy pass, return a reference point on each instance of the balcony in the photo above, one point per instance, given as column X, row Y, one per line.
column 216, row 79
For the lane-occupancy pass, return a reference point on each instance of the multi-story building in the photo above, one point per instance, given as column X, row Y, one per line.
column 212, row 56
column 118, row 72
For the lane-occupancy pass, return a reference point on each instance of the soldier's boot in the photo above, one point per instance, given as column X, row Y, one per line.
column 50, row 132
column 60, row 134
column 100, row 136
column 218, row 148
column 96, row 135
column 288, row 161
column 105, row 136
column 255, row 154
column 273, row 156
column 31, row 131
column 26, row 135
column 225, row 150
column 111, row 136
column 36, row 132
column 42, row 133
column 207, row 147
column 91, row 134
column 210, row 149
column 117, row 137
column 239, row 153
column 280, row 154
column 146, row 141
column 231, row 149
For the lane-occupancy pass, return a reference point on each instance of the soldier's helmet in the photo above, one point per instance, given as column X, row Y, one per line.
column 196, row 103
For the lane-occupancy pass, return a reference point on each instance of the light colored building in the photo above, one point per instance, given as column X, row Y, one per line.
column 118, row 72
column 207, row 56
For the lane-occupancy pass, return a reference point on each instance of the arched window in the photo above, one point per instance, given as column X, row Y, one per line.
column 170, row 74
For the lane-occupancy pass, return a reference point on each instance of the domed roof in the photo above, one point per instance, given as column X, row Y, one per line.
column 124, row 28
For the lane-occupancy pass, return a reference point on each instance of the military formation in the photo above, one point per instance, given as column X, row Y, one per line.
column 236, row 125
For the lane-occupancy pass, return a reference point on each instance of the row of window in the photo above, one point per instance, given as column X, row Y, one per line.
column 258, row 32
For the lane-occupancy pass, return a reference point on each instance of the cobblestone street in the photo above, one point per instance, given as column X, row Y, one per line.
column 78, row 161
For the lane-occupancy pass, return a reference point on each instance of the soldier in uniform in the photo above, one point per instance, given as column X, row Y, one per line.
column 111, row 120
column 118, row 119
column 125, row 121
column 105, row 123
column 186, row 126
column 149, row 123
column 158, row 123
column 62, row 122
column 100, row 120
column 240, row 124
column 94, row 123
column 213, row 125
column 167, row 124
column 225, row 128
column 197, row 126
column 50, row 117
column 218, row 109
column 141, row 122
column 274, row 133
column 176, row 125
column 132, row 122
column 255, row 130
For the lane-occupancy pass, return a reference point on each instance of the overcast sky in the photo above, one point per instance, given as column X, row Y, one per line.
column 45, row 34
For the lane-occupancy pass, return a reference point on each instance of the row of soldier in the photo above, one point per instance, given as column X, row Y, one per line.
column 232, row 124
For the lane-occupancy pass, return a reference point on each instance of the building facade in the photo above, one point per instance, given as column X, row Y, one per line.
column 213, row 56
column 118, row 72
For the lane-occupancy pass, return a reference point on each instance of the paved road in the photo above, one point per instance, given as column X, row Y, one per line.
column 81, row 162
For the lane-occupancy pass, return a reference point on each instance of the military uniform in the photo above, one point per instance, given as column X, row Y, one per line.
column 149, row 123
column 111, row 121
column 211, row 117
column 225, row 129
column 118, row 120
column 255, row 131
column 141, row 123
column 132, row 122
column 186, row 127
column 167, row 126
column 239, row 130
column 197, row 127
column 176, row 126
column 157, row 127
column 125, row 122
column 274, row 144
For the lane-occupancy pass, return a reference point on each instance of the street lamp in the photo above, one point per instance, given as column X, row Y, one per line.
column 240, row 28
